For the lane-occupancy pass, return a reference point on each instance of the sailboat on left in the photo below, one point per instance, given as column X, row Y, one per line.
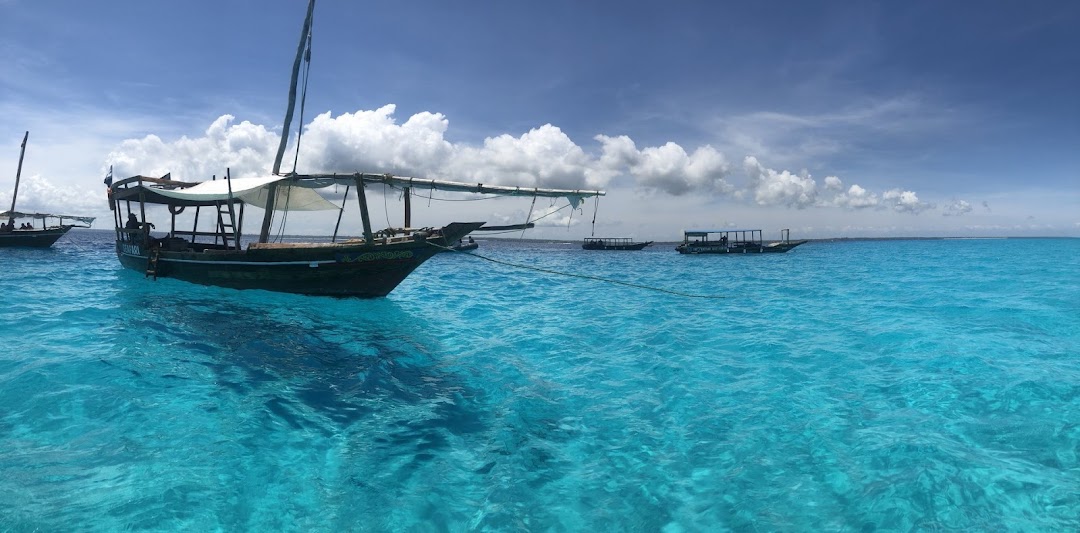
column 37, row 230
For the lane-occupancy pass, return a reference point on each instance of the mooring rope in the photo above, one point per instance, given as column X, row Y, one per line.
column 583, row 276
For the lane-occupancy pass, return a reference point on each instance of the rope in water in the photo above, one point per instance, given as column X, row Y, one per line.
column 583, row 276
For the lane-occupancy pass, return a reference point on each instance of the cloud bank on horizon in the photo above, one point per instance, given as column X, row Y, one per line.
column 374, row 141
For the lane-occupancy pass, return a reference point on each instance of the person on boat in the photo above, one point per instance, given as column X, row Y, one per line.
column 5, row 227
column 470, row 240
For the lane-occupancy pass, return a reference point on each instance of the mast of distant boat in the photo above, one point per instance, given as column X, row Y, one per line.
column 18, row 173
column 302, row 49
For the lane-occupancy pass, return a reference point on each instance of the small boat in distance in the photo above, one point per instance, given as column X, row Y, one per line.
column 28, row 234
column 465, row 246
column 738, row 241
column 612, row 243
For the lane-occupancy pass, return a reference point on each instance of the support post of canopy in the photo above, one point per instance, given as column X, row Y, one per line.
column 408, row 207
column 362, row 196
column 339, row 213
column 144, row 228
column 268, row 216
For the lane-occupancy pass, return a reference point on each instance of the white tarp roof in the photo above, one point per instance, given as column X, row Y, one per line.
column 254, row 191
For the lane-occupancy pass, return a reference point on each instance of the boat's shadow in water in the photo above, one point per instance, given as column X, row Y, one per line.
column 317, row 364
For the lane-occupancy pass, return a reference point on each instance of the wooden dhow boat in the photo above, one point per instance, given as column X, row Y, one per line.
column 739, row 241
column 42, row 229
column 370, row 265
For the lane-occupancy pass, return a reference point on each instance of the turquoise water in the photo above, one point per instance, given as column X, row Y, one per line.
column 847, row 386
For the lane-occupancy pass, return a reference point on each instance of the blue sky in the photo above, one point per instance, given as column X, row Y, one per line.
column 836, row 119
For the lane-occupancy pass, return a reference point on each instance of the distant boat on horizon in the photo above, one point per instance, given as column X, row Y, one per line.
column 612, row 243
column 739, row 241
column 463, row 246
column 28, row 234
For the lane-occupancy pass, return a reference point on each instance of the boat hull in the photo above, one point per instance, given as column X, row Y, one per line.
column 358, row 271
column 752, row 248
column 633, row 246
column 32, row 238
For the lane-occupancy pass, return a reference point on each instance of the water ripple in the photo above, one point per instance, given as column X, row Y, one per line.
column 853, row 386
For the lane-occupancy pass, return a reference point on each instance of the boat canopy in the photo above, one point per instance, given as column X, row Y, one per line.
column 43, row 216
column 254, row 191
column 705, row 232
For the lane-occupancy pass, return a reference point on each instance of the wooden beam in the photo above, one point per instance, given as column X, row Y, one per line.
column 362, row 197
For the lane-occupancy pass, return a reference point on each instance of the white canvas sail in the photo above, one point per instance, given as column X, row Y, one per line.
column 254, row 191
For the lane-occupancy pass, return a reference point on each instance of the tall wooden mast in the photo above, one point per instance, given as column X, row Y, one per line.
column 301, row 51
column 18, row 173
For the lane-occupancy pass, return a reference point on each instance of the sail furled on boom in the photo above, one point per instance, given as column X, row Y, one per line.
column 574, row 196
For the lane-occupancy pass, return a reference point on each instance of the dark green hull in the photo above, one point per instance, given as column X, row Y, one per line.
column 343, row 270
column 737, row 248
column 32, row 238
column 598, row 246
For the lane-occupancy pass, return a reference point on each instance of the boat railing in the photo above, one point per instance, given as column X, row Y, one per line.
column 609, row 241
column 730, row 238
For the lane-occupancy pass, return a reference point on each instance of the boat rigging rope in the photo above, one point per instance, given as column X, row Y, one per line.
column 492, row 197
column 529, row 215
column 284, row 216
column 596, row 207
column 385, row 208
column 583, row 276
column 303, row 94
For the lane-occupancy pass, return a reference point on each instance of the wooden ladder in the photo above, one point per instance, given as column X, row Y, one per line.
column 225, row 222
column 152, row 262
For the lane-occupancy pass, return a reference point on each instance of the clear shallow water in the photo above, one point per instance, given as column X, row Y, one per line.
column 851, row 386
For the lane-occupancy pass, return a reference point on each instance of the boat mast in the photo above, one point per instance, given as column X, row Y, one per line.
column 305, row 35
column 22, row 152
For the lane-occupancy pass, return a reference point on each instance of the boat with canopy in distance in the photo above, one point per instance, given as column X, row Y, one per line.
column 612, row 243
column 43, row 229
column 737, row 241
column 369, row 265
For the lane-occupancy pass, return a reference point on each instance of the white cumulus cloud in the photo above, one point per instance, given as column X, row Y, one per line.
column 856, row 197
column 905, row 201
column 956, row 208
column 542, row 157
column 668, row 168
column 770, row 187
column 374, row 141
column 246, row 149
